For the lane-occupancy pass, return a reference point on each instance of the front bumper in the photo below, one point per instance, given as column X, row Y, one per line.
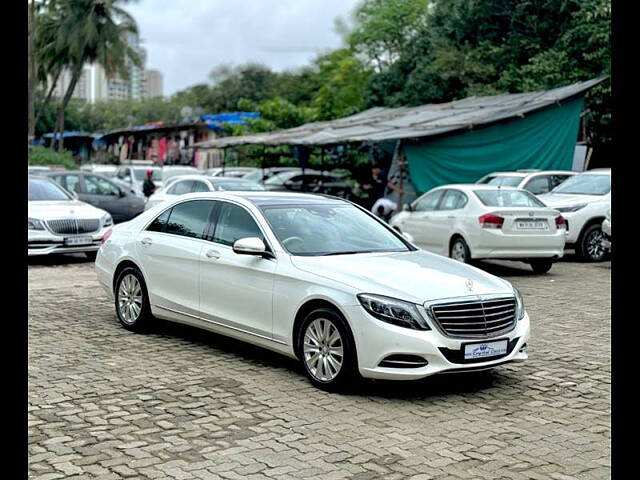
column 43, row 242
column 376, row 340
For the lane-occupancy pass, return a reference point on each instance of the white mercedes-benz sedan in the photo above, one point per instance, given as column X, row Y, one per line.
column 470, row 222
column 60, row 223
column 313, row 277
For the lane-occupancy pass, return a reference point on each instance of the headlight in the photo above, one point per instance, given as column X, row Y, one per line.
column 571, row 208
column 394, row 311
column 35, row 224
column 107, row 221
column 519, row 304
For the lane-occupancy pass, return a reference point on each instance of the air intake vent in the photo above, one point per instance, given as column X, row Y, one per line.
column 403, row 361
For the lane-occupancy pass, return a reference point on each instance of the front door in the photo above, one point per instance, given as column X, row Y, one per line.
column 236, row 290
column 419, row 223
column 106, row 195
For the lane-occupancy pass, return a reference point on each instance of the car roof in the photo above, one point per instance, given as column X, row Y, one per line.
column 265, row 198
column 475, row 186
column 526, row 173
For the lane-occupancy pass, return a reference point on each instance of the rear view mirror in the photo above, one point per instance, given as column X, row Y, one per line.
column 407, row 237
column 249, row 246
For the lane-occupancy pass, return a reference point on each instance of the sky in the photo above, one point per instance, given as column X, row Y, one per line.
column 186, row 39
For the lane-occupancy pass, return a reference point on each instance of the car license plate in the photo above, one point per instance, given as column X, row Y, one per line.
column 76, row 241
column 485, row 349
column 532, row 225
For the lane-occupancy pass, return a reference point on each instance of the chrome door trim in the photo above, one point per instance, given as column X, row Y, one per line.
column 220, row 324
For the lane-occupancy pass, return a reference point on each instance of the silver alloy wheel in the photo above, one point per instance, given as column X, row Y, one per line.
column 594, row 245
column 323, row 350
column 130, row 299
column 458, row 252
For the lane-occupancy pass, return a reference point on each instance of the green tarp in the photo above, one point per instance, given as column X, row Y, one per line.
column 544, row 140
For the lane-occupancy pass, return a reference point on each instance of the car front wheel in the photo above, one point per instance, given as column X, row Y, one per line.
column 460, row 251
column 132, row 300
column 327, row 350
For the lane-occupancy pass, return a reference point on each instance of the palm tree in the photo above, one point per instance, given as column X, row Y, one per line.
column 89, row 31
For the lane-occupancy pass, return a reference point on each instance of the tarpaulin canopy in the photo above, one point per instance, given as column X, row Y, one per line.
column 378, row 124
column 543, row 140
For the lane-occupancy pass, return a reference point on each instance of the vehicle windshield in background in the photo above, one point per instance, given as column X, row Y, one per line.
column 585, row 185
column 314, row 230
column 280, row 178
column 507, row 198
column 177, row 171
column 45, row 190
column 502, row 181
column 238, row 186
column 141, row 173
column 253, row 176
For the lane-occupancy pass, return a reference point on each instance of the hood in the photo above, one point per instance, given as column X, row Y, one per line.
column 50, row 210
column 568, row 199
column 417, row 276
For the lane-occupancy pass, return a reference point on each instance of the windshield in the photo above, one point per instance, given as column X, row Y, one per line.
column 507, row 198
column 43, row 190
column 502, row 181
column 311, row 230
column 141, row 173
column 279, row 178
column 238, row 186
column 255, row 176
column 588, row 184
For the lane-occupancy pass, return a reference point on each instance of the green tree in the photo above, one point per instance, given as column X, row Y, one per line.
column 90, row 31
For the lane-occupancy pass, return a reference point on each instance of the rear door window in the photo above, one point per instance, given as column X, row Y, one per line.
column 538, row 185
column 181, row 187
column 160, row 222
column 428, row 202
column 189, row 219
column 453, row 200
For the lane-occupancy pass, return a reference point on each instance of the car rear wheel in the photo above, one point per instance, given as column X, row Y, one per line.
column 327, row 351
column 590, row 246
column 460, row 251
column 132, row 300
column 541, row 266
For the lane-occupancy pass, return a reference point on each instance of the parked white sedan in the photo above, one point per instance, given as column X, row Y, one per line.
column 534, row 181
column 60, row 223
column 200, row 183
column 584, row 200
column 469, row 222
column 312, row 277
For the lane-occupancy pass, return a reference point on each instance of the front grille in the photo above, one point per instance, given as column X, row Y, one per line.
column 476, row 318
column 74, row 226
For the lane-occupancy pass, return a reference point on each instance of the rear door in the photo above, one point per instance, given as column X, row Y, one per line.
column 444, row 218
column 170, row 250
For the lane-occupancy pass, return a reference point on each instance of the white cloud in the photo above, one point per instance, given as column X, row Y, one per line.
column 186, row 39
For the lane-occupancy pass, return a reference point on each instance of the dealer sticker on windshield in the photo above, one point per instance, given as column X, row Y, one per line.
column 485, row 349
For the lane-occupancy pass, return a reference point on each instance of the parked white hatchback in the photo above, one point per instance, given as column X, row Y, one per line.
column 313, row 277
column 584, row 200
column 469, row 222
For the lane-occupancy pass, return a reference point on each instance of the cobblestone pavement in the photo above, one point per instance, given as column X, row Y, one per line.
column 180, row 403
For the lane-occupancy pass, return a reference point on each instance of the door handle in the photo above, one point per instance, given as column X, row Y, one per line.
column 213, row 254
column 451, row 216
column 146, row 241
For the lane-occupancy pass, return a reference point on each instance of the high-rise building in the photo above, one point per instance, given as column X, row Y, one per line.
column 152, row 83
column 93, row 85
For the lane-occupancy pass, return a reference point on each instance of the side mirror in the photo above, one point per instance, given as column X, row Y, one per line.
column 407, row 237
column 249, row 246
column 121, row 193
column 406, row 207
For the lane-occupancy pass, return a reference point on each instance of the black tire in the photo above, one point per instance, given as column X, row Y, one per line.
column 143, row 320
column 348, row 371
column 460, row 247
column 541, row 266
column 91, row 255
column 589, row 246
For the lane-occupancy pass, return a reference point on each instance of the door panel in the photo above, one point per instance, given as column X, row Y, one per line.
column 170, row 250
column 420, row 221
column 236, row 290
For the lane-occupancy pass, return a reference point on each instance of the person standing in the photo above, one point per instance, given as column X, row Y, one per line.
column 376, row 185
column 148, row 187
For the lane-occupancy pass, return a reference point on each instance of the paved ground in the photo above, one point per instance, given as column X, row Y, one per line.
column 180, row 403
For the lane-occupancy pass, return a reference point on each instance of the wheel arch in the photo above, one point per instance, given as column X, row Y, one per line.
column 455, row 236
column 121, row 266
column 307, row 307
